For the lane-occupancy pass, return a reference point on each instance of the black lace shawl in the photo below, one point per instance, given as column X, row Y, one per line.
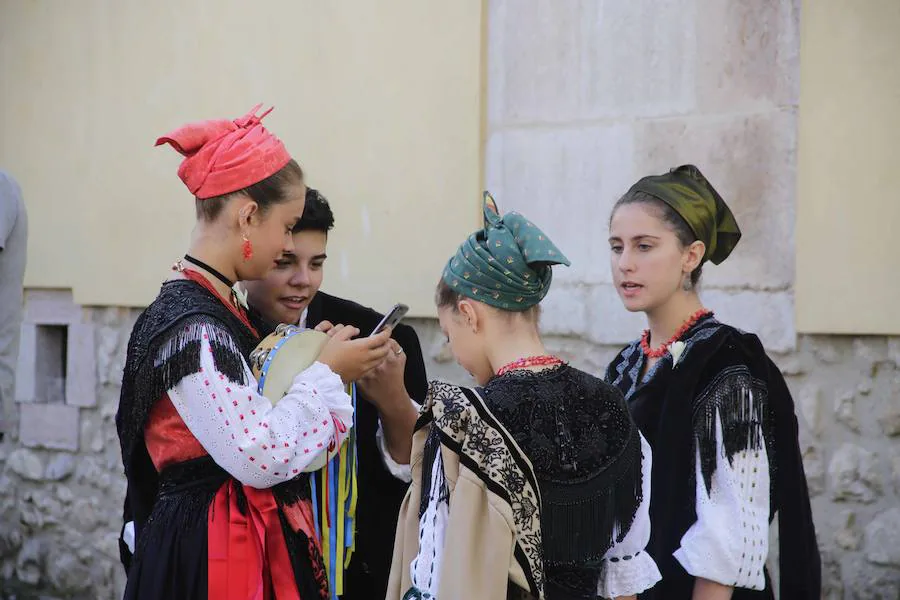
column 586, row 454
column 725, row 370
column 164, row 348
column 581, row 448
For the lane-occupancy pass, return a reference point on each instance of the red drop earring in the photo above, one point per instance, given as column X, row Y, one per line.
column 247, row 248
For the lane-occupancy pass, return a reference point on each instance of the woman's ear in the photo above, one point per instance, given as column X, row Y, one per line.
column 469, row 314
column 248, row 213
column 693, row 256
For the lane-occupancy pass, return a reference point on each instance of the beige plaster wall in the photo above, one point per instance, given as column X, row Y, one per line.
column 848, row 209
column 379, row 101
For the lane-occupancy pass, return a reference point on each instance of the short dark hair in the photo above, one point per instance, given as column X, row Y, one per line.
column 317, row 215
column 266, row 193
column 667, row 215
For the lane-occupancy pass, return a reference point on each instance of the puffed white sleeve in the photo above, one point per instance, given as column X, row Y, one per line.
column 627, row 568
column 258, row 443
column 400, row 471
column 729, row 542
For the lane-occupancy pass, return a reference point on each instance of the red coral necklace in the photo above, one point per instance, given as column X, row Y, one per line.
column 660, row 351
column 530, row 361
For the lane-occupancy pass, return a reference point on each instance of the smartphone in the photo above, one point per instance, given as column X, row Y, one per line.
column 394, row 316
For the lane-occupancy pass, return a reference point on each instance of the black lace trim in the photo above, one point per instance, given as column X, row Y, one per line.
column 472, row 432
column 429, row 455
column 307, row 562
column 293, row 491
column 570, row 583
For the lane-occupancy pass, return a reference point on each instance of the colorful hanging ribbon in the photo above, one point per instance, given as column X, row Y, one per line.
column 334, row 495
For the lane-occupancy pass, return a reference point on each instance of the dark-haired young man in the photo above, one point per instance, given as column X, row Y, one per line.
column 290, row 294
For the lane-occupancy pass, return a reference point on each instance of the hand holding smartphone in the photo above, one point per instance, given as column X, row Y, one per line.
column 394, row 316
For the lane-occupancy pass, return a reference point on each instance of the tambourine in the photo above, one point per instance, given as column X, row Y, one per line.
column 277, row 360
column 333, row 475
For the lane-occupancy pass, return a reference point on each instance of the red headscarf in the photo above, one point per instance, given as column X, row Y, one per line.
column 225, row 156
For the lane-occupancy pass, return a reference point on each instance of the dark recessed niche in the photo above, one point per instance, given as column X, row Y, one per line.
column 51, row 350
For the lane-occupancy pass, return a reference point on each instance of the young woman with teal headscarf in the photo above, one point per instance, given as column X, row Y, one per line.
column 533, row 484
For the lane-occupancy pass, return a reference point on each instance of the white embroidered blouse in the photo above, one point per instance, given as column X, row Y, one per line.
column 256, row 442
column 729, row 542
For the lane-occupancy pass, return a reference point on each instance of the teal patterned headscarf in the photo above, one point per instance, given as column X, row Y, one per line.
column 507, row 264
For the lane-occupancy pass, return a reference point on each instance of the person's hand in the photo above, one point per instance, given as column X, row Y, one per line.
column 383, row 386
column 325, row 327
column 351, row 358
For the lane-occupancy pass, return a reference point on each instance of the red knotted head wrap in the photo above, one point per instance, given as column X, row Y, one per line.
column 223, row 156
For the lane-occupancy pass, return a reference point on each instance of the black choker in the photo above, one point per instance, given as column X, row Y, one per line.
column 209, row 269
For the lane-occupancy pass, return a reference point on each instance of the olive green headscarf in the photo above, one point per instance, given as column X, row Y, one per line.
column 689, row 193
column 507, row 264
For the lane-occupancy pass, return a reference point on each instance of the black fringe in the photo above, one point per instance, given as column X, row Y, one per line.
column 293, row 491
column 430, row 454
column 173, row 355
column 582, row 521
column 186, row 491
column 741, row 404
column 186, row 337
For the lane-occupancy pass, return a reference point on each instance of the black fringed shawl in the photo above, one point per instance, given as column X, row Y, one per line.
column 164, row 348
column 585, row 456
column 725, row 369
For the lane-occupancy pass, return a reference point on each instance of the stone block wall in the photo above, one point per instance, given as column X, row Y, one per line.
column 61, row 482
column 586, row 96
column 847, row 392
column 60, row 511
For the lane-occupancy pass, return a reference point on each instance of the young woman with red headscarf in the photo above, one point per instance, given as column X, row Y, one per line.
column 216, row 488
